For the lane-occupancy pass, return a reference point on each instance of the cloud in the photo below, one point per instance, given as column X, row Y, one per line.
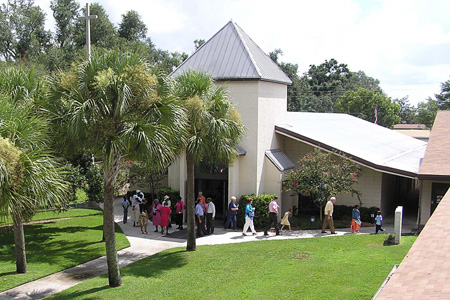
column 403, row 43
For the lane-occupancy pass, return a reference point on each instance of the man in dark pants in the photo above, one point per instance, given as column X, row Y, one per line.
column 231, row 215
column 200, row 219
column 210, row 215
column 273, row 213
column 125, row 205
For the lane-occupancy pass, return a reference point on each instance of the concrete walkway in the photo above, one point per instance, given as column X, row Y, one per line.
column 141, row 246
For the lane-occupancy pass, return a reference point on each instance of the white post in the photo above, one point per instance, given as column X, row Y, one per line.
column 88, row 18
column 398, row 224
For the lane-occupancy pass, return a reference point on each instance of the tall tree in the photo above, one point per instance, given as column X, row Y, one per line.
column 361, row 80
column 320, row 175
column 426, row 112
column 443, row 98
column 198, row 43
column 65, row 13
column 327, row 82
column 132, row 28
column 30, row 177
column 118, row 109
column 103, row 33
column 362, row 103
column 213, row 123
column 22, row 30
column 407, row 112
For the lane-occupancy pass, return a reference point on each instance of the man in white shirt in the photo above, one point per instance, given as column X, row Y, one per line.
column 210, row 216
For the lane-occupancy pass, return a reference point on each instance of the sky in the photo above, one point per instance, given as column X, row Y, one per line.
column 403, row 43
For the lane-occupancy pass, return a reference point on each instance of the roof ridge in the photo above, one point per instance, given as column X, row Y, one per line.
column 262, row 51
column 247, row 50
column 198, row 49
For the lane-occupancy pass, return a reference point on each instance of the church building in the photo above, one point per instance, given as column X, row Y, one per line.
column 276, row 139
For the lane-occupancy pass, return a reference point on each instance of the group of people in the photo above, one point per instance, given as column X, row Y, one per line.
column 205, row 213
column 356, row 218
column 158, row 213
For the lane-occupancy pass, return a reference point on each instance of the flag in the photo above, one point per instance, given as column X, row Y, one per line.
column 376, row 114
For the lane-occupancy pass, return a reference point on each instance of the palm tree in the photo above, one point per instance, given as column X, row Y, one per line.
column 30, row 177
column 117, row 109
column 214, row 129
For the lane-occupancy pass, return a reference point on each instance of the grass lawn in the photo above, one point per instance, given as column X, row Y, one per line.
column 50, row 214
column 55, row 246
column 347, row 267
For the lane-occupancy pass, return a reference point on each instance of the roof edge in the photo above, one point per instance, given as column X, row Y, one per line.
column 356, row 159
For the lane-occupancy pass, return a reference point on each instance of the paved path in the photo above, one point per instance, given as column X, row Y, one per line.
column 142, row 246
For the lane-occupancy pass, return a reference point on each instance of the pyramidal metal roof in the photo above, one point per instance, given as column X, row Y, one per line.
column 232, row 55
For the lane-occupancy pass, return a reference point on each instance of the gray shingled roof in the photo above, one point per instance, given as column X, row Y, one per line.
column 232, row 55
column 280, row 160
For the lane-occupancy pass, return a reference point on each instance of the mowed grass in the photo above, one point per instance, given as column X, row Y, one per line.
column 54, row 246
column 347, row 267
column 54, row 214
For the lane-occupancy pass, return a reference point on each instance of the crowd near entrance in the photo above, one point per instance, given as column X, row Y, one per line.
column 212, row 181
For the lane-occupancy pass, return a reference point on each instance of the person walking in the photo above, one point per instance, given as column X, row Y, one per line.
column 249, row 215
column 143, row 221
column 273, row 214
column 210, row 216
column 328, row 219
column 285, row 220
column 165, row 213
column 200, row 219
column 135, row 210
column 231, row 215
column 156, row 211
column 356, row 219
column 169, row 204
column 125, row 206
column 379, row 222
column 179, row 206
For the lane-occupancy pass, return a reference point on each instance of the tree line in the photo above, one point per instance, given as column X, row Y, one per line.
column 332, row 87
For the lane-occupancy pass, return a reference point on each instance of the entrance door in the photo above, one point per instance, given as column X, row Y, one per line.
column 438, row 191
column 217, row 190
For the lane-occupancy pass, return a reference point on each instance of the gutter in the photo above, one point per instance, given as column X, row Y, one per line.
column 385, row 282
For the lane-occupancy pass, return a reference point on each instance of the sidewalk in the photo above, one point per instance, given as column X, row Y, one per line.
column 141, row 246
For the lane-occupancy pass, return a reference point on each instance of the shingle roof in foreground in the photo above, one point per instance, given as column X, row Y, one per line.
column 232, row 55
column 366, row 143
column 436, row 162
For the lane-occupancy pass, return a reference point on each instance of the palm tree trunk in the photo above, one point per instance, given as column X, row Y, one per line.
column 108, row 228
column 190, row 207
column 19, row 241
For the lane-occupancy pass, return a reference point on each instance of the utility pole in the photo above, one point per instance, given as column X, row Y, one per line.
column 88, row 18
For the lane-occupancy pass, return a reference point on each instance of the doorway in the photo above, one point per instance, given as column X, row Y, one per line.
column 438, row 190
column 212, row 181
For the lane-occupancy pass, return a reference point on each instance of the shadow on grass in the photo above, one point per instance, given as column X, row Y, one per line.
column 8, row 273
column 156, row 264
column 82, row 294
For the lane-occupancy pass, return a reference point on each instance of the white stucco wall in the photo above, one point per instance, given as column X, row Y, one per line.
column 369, row 183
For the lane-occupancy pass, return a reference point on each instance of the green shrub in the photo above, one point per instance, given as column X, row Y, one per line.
column 95, row 186
column 344, row 212
column 261, row 204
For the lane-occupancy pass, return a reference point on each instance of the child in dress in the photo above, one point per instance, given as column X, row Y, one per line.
column 285, row 220
column 165, row 212
column 379, row 222
column 143, row 222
